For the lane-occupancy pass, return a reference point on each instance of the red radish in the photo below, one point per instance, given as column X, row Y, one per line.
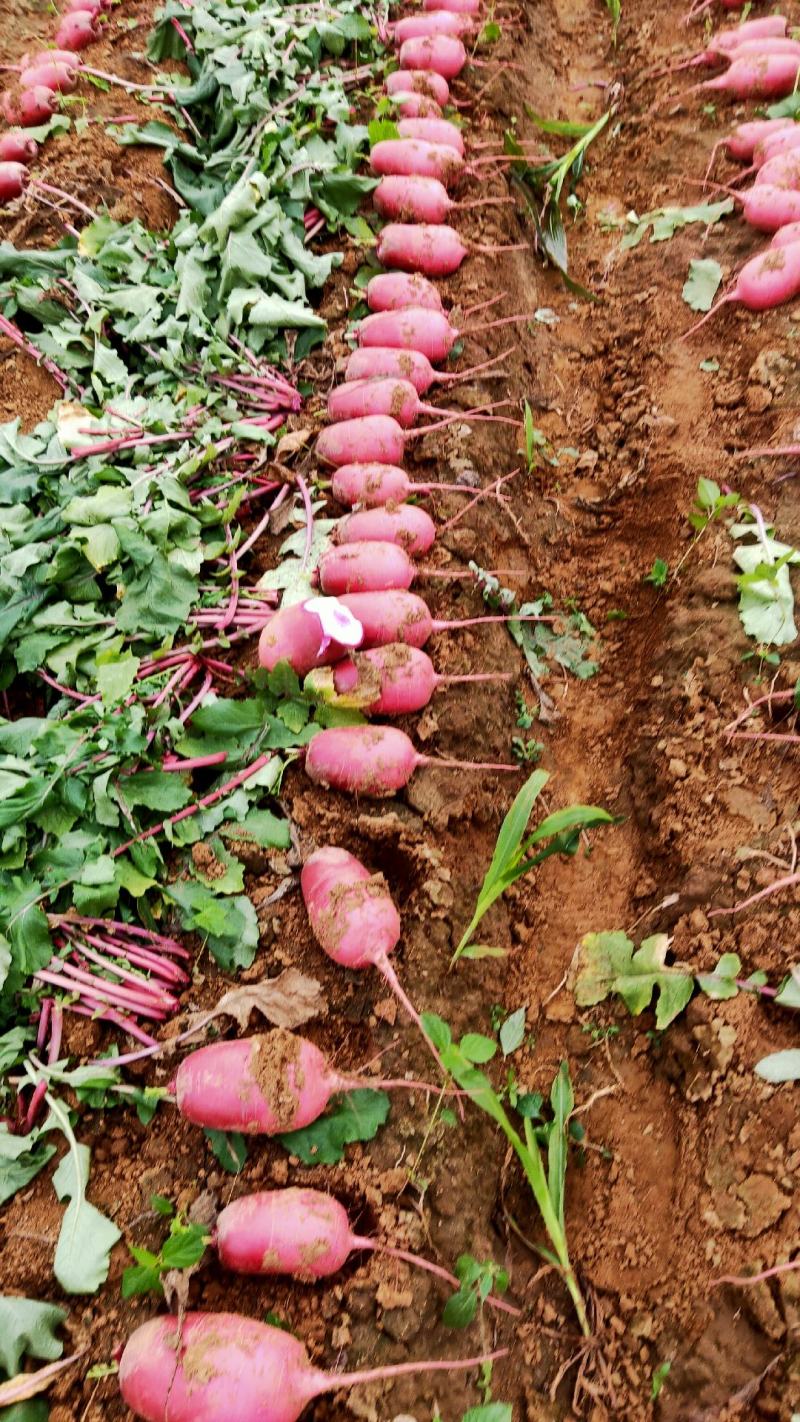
column 433, row 130
column 205, row 1367
column 28, row 107
column 760, row 47
column 771, row 76
column 50, row 56
column 266, row 1084
column 434, row 22
column 414, row 198
column 16, row 148
column 13, row 177
column 442, row 54
column 412, row 329
column 764, row 282
column 420, row 81
column 434, row 249
column 406, row 524
column 77, row 30
column 308, row 634
column 365, row 567
column 393, row 291
column 61, row 78
column 374, row 761
column 769, row 208
column 397, row 616
column 371, row 361
column 458, row 7
column 392, row 680
column 413, row 156
column 360, row 399
column 785, row 236
column 742, row 142
column 376, row 485
column 304, row 1233
column 379, row 439
column 87, row 7
column 781, row 171
column 786, row 140
column 416, row 106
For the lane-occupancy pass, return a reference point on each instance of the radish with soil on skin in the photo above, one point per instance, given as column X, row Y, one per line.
column 786, row 236
column 771, row 76
column 25, row 108
column 434, row 250
column 457, row 7
column 440, row 54
column 304, row 1233
column 77, row 30
column 375, row 485
column 419, row 199
column 397, row 616
column 416, row 329
column 86, row 7
column 419, row 81
column 406, row 524
column 781, row 171
column 50, row 56
column 266, row 1084
column 17, row 148
column 375, row 761
column 415, row 106
column 393, row 291
column 742, row 141
column 380, row 439
column 393, row 680
column 370, row 361
column 433, row 22
column 786, row 140
column 415, row 157
column 13, row 178
column 373, row 567
column 433, row 130
column 767, row 208
column 61, row 78
column 766, row 281
column 382, row 395
column 205, row 1367
column 309, row 634
column 762, row 36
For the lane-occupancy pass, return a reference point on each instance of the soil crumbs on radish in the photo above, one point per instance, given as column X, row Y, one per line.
column 690, row 1162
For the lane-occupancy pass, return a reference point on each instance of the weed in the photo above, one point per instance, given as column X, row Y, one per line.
column 659, row 574
column 660, row 1375
column 183, row 1248
column 477, row 1281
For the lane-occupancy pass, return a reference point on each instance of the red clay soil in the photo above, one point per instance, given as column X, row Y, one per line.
column 690, row 1164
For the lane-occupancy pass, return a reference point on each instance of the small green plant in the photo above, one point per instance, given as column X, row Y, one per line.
column 515, row 854
column 183, row 1248
column 614, row 8
column 527, row 752
column 537, row 445
column 542, row 1147
column 659, row 574
column 477, row 1281
column 660, row 1375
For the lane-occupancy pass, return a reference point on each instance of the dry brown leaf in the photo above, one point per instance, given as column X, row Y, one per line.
column 27, row 1385
column 286, row 1001
column 291, row 442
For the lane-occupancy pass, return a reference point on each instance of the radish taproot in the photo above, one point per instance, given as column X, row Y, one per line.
column 17, row 148
column 433, row 130
column 304, row 1233
column 25, row 108
column 419, row 81
column 408, row 157
column 50, row 56
column 785, row 236
column 371, row 361
column 375, row 761
column 764, row 282
column 440, row 54
column 433, row 22
column 394, row 291
column 267, row 1084
column 203, row 1367
column 417, row 198
column 13, row 177
column 768, row 208
column 309, row 634
column 458, row 7
column 393, row 680
column 406, row 524
column 741, row 143
column 77, row 30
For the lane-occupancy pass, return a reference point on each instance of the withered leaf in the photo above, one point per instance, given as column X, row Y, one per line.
column 286, row 1001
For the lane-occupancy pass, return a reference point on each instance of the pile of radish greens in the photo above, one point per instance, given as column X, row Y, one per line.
column 123, row 555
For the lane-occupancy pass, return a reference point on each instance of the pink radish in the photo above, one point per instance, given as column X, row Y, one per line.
column 413, row 156
column 769, row 208
column 304, row 1233
column 28, row 107
column 412, row 329
column 13, row 177
column 297, row 635
column 360, row 399
column 375, row 761
column 772, row 76
column 397, row 616
column 785, row 236
column 205, row 1367
column 420, row 81
column 415, row 106
column 392, row 680
column 77, row 30
column 376, row 485
column 87, row 7
column 442, row 54
column 393, row 291
column 434, row 249
column 61, row 78
column 420, row 199
column 787, row 140
column 380, row 439
column 406, row 524
column 458, row 7
column 16, row 148
column 266, row 1084
column 50, row 56
column 371, row 361
column 781, row 171
column 742, row 142
column 433, row 130
column 365, row 567
column 764, row 282
column 434, row 22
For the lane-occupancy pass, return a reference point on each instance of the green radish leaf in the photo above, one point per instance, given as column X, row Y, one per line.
column 512, row 1032
column 780, row 1066
column 477, row 1049
column 702, row 283
column 356, row 1116
column 562, row 1101
column 608, row 964
column 28, row 1328
column 86, row 1237
column 230, row 1148
column 477, row 951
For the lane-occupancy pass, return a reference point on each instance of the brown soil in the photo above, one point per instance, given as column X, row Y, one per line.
column 691, row 1163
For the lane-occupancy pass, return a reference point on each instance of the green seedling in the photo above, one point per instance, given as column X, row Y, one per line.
column 541, row 1148
column 659, row 574
column 477, row 1282
column 183, row 1248
column 516, row 852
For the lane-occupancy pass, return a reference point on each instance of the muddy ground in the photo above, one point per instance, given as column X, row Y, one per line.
column 690, row 1163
